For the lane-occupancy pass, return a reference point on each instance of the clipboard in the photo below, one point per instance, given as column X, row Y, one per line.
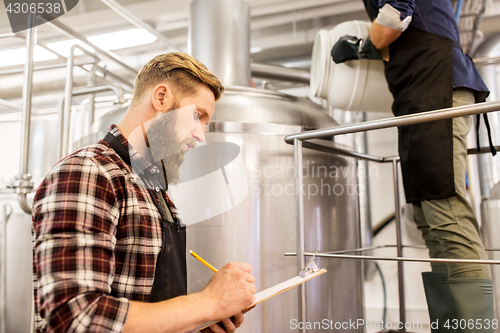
column 311, row 272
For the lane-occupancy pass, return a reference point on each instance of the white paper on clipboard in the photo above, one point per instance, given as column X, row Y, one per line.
column 273, row 291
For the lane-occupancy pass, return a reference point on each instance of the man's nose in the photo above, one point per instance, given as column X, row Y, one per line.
column 199, row 132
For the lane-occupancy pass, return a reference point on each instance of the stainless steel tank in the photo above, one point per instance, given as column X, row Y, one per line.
column 261, row 228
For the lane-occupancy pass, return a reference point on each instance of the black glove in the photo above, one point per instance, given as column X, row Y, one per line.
column 350, row 47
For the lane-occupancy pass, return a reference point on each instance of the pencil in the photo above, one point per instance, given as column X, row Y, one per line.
column 203, row 261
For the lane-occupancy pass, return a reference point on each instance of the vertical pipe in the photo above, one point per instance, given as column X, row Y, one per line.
column 399, row 244
column 3, row 268
column 25, row 186
column 60, row 130
column 27, row 94
column 68, row 100
column 68, row 96
column 361, row 141
column 299, row 206
column 219, row 36
column 92, row 80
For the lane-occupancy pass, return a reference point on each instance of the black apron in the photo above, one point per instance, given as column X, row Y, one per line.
column 171, row 269
column 420, row 77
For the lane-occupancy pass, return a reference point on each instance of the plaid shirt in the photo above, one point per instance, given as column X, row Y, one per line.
column 96, row 236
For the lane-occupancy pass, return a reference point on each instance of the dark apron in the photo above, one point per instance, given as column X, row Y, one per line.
column 171, row 270
column 420, row 77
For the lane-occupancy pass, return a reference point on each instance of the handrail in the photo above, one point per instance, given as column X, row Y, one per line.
column 400, row 259
column 397, row 121
column 486, row 61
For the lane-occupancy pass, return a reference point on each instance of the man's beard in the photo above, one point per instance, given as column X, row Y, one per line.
column 166, row 151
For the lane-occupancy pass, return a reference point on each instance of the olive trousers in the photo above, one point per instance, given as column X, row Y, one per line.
column 449, row 226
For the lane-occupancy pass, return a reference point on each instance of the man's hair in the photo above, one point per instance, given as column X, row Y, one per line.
column 183, row 71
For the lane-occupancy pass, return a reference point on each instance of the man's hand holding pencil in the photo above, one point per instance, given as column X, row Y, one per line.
column 230, row 291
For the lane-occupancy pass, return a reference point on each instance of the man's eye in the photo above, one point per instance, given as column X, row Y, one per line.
column 196, row 116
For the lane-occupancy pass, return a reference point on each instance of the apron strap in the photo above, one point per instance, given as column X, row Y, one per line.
column 117, row 146
column 488, row 130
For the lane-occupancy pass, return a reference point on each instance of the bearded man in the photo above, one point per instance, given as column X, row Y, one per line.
column 109, row 246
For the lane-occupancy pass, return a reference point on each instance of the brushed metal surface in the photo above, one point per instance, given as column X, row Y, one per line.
column 219, row 37
column 262, row 228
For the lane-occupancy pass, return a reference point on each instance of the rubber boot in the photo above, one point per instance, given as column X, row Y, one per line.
column 438, row 298
column 472, row 301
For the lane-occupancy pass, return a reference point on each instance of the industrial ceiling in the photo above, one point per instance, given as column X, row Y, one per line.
column 282, row 32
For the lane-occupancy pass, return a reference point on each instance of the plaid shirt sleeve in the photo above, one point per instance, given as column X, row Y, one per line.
column 75, row 221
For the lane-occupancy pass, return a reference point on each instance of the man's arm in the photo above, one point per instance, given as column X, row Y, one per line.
column 230, row 291
column 393, row 18
column 382, row 36
column 75, row 218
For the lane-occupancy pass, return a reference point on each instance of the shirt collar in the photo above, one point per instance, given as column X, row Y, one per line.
column 140, row 165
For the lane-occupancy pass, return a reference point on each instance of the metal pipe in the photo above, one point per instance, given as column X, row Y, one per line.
column 219, row 37
column 138, row 22
column 60, row 130
column 91, row 82
column 98, row 89
column 365, row 221
column 360, row 257
column 486, row 61
column 37, row 68
column 328, row 147
column 59, row 26
column 482, row 150
column 371, row 248
column 11, row 104
column 24, row 184
column 104, row 71
column 62, row 111
column 398, row 121
column 27, row 94
column 8, row 35
column 273, row 72
column 332, row 149
column 399, row 245
column 3, row 267
column 299, row 211
column 68, row 95
column 23, row 200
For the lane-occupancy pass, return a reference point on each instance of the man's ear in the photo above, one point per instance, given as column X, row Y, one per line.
column 161, row 95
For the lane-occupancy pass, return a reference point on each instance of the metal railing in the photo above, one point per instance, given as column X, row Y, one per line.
column 22, row 183
column 301, row 140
